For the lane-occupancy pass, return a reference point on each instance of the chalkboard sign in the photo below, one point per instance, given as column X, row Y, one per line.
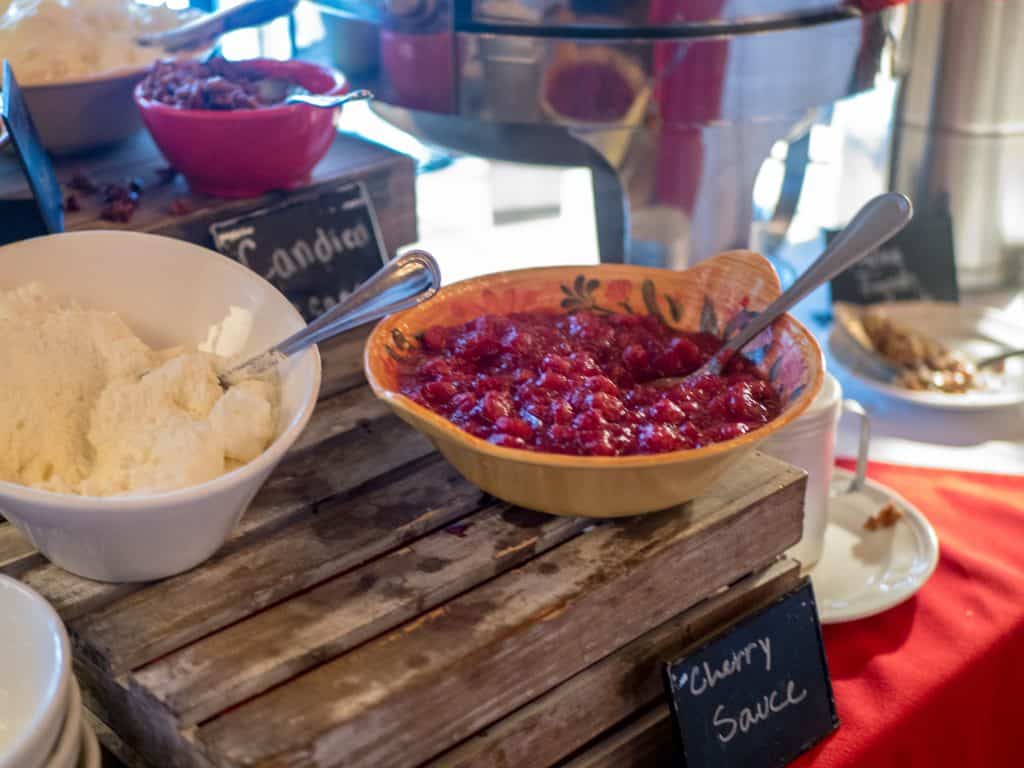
column 759, row 693
column 47, row 215
column 916, row 264
column 315, row 249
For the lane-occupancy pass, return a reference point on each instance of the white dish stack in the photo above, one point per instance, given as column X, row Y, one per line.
column 42, row 724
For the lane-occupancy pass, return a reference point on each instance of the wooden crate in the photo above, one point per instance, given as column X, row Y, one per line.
column 389, row 177
column 374, row 609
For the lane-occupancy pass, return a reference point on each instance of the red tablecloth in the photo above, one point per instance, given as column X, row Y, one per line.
column 939, row 680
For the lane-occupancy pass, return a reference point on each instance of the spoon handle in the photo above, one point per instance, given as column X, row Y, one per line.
column 880, row 219
column 985, row 362
column 325, row 101
column 403, row 282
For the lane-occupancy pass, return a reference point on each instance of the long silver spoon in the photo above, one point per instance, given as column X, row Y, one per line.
column 324, row 101
column 403, row 282
column 985, row 362
column 878, row 221
column 274, row 90
column 208, row 27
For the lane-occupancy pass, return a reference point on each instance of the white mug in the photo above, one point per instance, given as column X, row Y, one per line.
column 810, row 443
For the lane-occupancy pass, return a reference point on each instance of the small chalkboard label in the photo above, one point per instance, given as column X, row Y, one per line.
column 35, row 162
column 315, row 249
column 916, row 264
column 757, row 694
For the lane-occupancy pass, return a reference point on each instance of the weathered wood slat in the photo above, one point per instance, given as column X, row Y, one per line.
column 252, row 656
column 557, row 724
column 341, row 361
column 14, row 546
column 415, row 692
column 377, row 444
column 120, row 755
column 337, row 415
column 70, row 595
column 139, row 628
column 140, row 722
column 647, row 742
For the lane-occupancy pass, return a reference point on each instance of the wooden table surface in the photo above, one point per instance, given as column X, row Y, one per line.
column 375, row 609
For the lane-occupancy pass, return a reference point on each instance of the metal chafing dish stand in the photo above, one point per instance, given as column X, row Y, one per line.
column 673, row 104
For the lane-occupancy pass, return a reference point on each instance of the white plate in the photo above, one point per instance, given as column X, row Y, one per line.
column 69, row 745
column 35, row 676
column 90, row 756
column 977, row 332
column 862, row 573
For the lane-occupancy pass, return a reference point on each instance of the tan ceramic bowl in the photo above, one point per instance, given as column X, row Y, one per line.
column 710, row 296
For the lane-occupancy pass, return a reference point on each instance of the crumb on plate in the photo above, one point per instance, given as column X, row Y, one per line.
column 886, row 517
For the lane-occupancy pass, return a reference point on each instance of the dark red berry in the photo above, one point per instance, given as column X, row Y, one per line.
column 576, row 384
column 438, row 392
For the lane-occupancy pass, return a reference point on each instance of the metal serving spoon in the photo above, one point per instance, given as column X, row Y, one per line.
column 879, row 220
column 273, row 90
column 403, row 282
column 985, row 362
column 324, row 101
column 208, row 27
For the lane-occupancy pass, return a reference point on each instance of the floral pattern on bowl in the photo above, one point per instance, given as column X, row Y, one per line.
column 773, row 351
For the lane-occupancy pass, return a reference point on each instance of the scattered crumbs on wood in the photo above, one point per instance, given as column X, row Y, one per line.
column 180, row 206
column 119, row 210
column 115, row 192
column 886, row 517
column 458, row 529
column 81, row 182
column 121, row 201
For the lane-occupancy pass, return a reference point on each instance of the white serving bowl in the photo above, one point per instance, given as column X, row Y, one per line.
column 35, row 676
column 169, row 292
column 86, row 114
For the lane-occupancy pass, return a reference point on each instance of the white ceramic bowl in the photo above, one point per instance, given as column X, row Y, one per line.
column 169, row 292
column 35, row 676
column 102, row 106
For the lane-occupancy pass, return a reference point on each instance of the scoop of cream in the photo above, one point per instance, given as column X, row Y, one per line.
column 88, row 408
column 48, row 41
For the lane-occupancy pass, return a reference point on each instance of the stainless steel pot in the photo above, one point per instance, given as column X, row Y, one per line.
column 960, row 130
column 673, row 103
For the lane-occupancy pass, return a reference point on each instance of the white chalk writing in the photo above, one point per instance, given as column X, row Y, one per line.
column 762, row 709
column 706, row 676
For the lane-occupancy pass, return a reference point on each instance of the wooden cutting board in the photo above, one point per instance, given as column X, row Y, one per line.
column 375, row 609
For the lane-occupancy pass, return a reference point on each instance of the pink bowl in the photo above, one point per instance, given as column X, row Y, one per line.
column 248, row 152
